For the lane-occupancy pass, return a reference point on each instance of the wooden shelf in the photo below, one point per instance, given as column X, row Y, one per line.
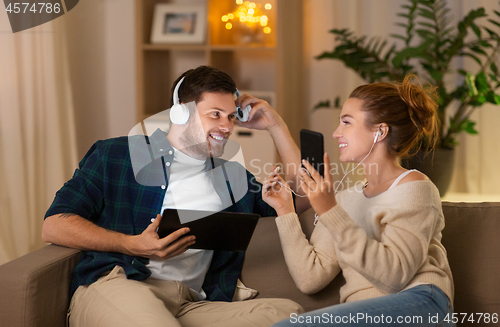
column 168, row 47
column 260, row 67
column 203, row 47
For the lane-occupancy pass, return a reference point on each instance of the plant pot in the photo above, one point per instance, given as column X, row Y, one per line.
column 437, row 165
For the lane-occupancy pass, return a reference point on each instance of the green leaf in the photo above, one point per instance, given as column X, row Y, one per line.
column 426, row 25
column 472, row 56
column 396, row 36
column 491, row 97
column 478, row 101
column 426, row 13
column 426, row 34
column 468, row 126
column 476, row 30
column 482, row 82
column 322, row 104
column 491, row 33
column 493, row 22
column 494, row 68
column 478, row 50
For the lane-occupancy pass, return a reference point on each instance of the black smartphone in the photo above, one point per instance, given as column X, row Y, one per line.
column 312, row 149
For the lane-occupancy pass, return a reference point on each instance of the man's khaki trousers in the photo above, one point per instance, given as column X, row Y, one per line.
column 115, row 300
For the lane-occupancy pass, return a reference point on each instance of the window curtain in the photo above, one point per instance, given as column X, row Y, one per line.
column 37, row 131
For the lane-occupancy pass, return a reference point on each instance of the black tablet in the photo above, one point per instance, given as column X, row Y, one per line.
column 223, row 231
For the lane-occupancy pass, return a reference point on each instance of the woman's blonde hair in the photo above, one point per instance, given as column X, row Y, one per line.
column 407, row 108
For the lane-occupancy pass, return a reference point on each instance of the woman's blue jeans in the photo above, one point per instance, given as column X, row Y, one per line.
column 423, row 305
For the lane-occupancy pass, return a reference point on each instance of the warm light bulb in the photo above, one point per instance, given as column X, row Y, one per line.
column 242, row 18
column 239, row 2
column 267, row 30
column 229, row 26
column 268, row 6
column 225, row 18
column 250, row 11
column 230, row 16
column 263, row 22
column 251, row 5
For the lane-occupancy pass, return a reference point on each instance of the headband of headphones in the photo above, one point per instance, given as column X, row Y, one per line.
column 179, row 112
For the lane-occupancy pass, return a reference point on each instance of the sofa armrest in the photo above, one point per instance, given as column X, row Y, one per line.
column 34, row 289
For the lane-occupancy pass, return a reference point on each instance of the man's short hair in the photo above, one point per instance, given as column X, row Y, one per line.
column 202, row 79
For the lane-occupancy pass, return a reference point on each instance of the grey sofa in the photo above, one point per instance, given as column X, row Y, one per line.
column 34, row 288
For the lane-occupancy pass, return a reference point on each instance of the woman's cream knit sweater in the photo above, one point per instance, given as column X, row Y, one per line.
column 383, row 245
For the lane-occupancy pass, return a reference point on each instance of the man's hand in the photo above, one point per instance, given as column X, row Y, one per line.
column 150, row 245
column 276, row 194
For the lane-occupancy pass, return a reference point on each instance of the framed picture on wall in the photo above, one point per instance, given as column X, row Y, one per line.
column 176, row 23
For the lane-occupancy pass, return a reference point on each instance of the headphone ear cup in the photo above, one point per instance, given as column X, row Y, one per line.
column 243, row 114
column 179, row 114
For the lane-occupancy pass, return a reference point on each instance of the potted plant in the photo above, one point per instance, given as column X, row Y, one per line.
column 429, row 49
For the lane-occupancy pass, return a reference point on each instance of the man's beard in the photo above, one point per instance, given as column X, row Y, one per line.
column 198, row 145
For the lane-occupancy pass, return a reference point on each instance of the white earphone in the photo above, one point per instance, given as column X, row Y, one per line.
column 179, row 112
column 374, row 141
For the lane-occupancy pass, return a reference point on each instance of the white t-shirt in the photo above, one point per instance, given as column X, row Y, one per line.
column 189, row 187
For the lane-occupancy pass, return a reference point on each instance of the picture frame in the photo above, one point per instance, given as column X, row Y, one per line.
column 179, row 23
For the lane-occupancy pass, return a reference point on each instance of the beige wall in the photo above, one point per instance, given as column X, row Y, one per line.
column 102, row 64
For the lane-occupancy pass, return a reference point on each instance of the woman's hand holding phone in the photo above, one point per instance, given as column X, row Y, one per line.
column 319, row 190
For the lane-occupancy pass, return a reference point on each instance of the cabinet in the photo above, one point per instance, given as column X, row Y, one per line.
column 275, row 66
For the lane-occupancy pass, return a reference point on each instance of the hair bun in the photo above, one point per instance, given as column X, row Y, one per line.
column 422, row 108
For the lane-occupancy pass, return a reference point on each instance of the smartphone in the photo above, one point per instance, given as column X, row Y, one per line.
column 312, row 149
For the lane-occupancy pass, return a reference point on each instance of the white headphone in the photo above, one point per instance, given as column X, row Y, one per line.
column 242, row 115
column 376, row 136
column 179, row 112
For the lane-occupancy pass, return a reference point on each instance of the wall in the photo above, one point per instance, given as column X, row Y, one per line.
column 102, row 65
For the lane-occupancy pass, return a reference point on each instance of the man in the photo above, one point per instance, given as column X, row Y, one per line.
column 127, row 274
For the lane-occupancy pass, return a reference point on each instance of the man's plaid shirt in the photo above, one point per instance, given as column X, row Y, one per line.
column 104, row 190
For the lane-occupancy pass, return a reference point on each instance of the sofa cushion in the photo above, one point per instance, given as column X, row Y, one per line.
column 265, row 269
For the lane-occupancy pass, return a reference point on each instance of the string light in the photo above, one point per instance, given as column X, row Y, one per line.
column 250, row 14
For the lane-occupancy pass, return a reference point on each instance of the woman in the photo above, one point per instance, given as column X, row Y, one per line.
column 384, row 236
